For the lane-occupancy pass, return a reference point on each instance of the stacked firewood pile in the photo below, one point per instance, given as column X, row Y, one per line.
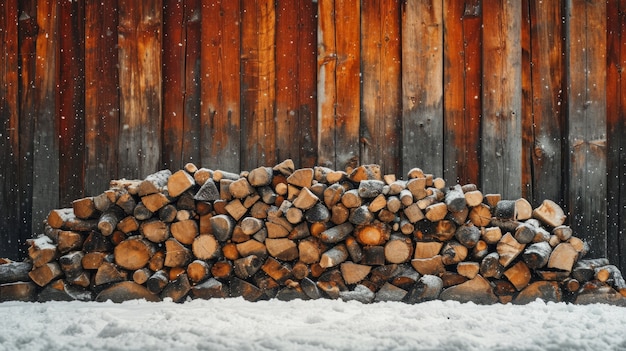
column 286, row 233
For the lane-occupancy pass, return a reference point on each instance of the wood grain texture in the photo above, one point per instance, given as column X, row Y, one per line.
column 616, row 129
column 502, row 94
column 46, row 124
column 220, row 85
column 258, row 41
column 381, row 83
column 140, row 42
column 586, row 53
column 9, row 126
column 71, row 103
column 102, row 103
column 422, row 85
column 462, row 96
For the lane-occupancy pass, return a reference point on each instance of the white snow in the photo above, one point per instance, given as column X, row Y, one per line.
column 235, row 324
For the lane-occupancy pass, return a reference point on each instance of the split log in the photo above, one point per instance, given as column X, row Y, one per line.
column 222, row 269
column 69, row 241
column 436, row 212
column 153, row 183
column 176, row 254
column 508, row 249
column 547, row 291
column 179, row 182
column 155, row 230
column 353, row 273
column 141, row 276
column 302, row 178
column 524, row 233
column 154, row 202
column 93, row 260
column 184, row 231
column 610, row 273
column 351, row 199
column 212, row 288
column 468, row 269
column 59, row 217
column 317, row 213
column 128, row 224
column 417, row 187
column 379, row 203
column 252, row 247
column 333, row 194
column 242, row 288
column 282, row 249
column 563, row 232
column 477, row 290
column 168, row 213
column 473, row 197
column 18, row 291
column 453, row 252
column 370, row 188
column 365, row 172
column 413, row 213
column 537, row 255
column 334, row 256
column 141, row 212
column 337, row 233
column 550, row 213
column 276, row 270
column 455, row 199
column 523, row 209
column 563, row 257
column 14, row 272
column 491, row 235
column 109, row 273
column 235, row 209
column 519, row 275
column 133, row 253
column 480, row 215
column 126, row 202
column 584, row 270
column 157, row 262
column 177, row 289
column 208, row 191
column 490, row 266
column 222, row 227
column 373, row 255
column 126, row 291
column 480, row 250
column 85, row 208
column 339, row 214
column 41, row 251
column 468, row 235
column 103, row 201
column 427, row 288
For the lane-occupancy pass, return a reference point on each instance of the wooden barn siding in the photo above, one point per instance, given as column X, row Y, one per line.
column 522, row 98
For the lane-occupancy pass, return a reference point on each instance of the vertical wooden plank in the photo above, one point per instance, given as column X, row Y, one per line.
column 543, row 104
column 9, row 124
column 616, row 129
column 71, row 107
column 174, row 47
column 140, row 41
column 587, row 63
column 27, row 38
column 381, row 66
column 191, row 108
column 326, row 83
column 422, row 84
column 258, row 30
column 102, row 106
column 338, row 83
column 527, row 117
column 307, row 89
column 295, row 81
column 461, row 81
column 502, row 94
column 287, row 78
column 46, row 127
column 348, row 80
column 220, row 85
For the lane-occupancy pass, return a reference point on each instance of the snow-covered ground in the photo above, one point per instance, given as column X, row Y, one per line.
column 235, row 324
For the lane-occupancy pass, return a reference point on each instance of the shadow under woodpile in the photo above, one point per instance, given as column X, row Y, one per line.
column 286, row 233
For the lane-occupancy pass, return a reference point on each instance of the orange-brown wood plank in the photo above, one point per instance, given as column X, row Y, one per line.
column 338, row 83
column 295, row 89
column 616, row 129
column 258, row 40
column 220, row 85
column 307, row 90
column 102, row 104
column 543, row 102
column 191, row 109
column 71, row 103
column 502, row 94
column 461, row 83
column 422, row 85
column 174, row 48
column 587, row 64
column 27, row 39
column 381, row 84
column 46, row 128
column 9, row 124
column 140, row 42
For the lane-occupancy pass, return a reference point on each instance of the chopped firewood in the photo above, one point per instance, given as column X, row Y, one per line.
column 184, row 231
column 491, row 235
column 417, row 187
column 154, row 183
column 563, row 257
column 42, row 251
column 480, row 215
column 208, row 191
column 109, row 219
column 154, row 202
column 353, row 273
column 18, row 291
column 584, row 270
column 176, row 254
column 427, row 288
column 611, row 273
column 537, row 255
column 235, row 209
column 205, row 247
column 490, row 266
column 302, row 178
column 468, row 235
column 518, row 275
column 157, row 262
column 14, row 271
column 155, row 230
column 523, row 209
column 85, row 208
column 334, row 256
column 370, row 188
column 59, row 217
column 133, row 253
column 436, row 212
column 563, row 232
column 317, row 213
column 222, row 227
column 524, row 233
column 547, row 291
column 480, row 250
column 282, row 248
column 373, row 255
column 109, row 273
column 468, row 269
column 168, row 213
column 453, row 252
column 477, row 290
column 455, row 199
column 177, row 289
column 212, row 288
column 413, row 213
column 125, row 291
column 141, row 276
column 222, row 269
column 252, row 247
column 242, row 288
column 550, row 213
column 509, row 248
column 377, row 204
column 69, row 241
column 372, row 234
column 128, row 224
column 432, row 265
column 473, row 197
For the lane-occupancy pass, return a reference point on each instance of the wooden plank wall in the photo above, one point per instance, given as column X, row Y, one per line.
column 521, row 98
